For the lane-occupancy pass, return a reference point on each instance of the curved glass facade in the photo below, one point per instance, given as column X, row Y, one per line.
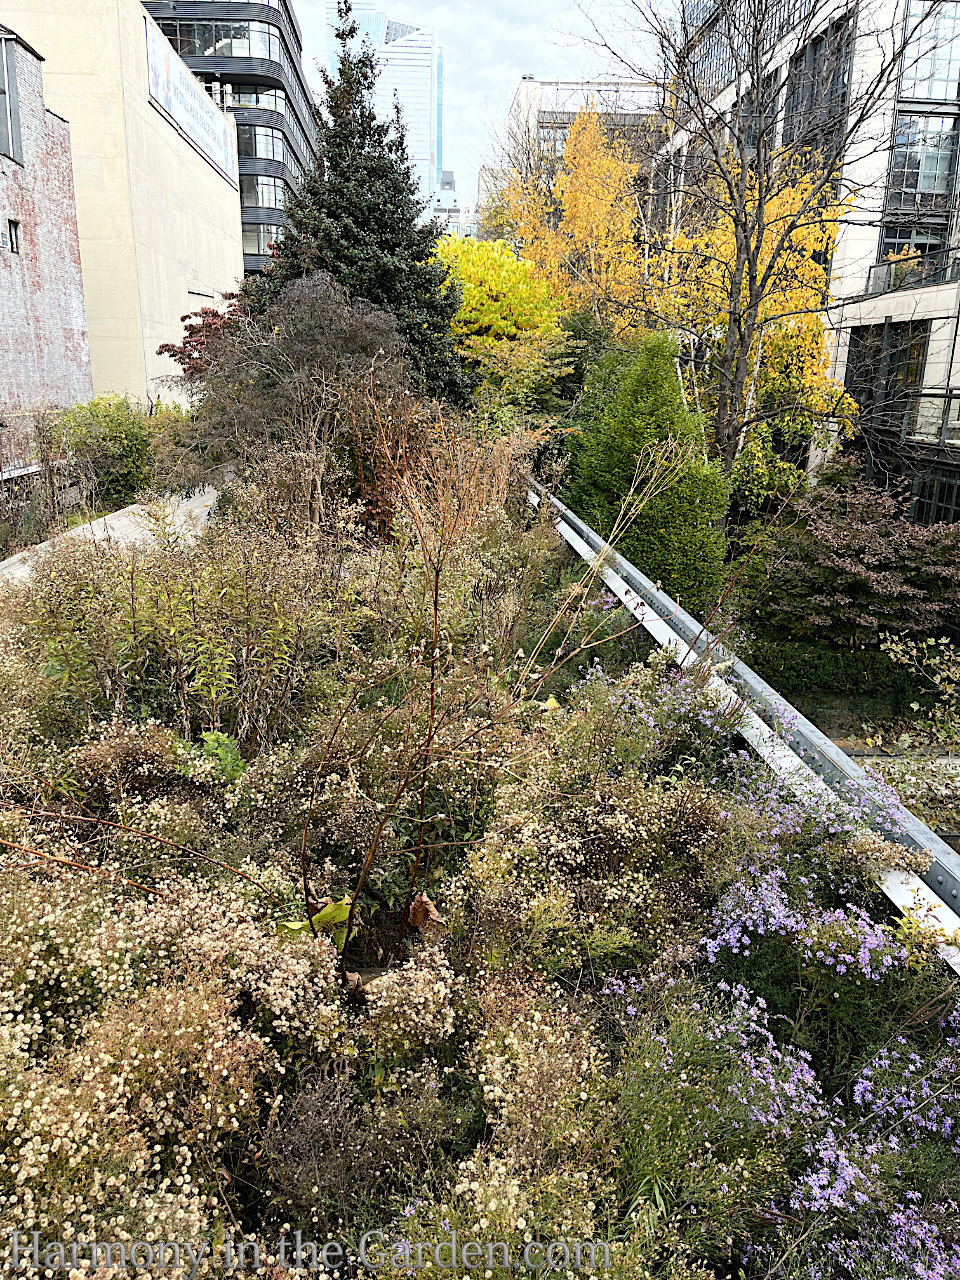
column 251, row 63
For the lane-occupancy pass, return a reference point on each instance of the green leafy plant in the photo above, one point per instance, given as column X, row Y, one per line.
column 331, row 919
column 109, row 440
column 634, row 400
column 226, row 751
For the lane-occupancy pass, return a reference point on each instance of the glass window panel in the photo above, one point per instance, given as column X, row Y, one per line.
column 259, row 40
column 205, row 38
column 246, row 140
column 923, row 165
column 188, row 46
column 931, row 64
column 885, row 364
column 258, row 238
column 260, row 192
column 233, row 39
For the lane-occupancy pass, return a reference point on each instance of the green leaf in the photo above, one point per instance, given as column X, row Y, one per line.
column 292, row 928
column 332, row 919
column 335, row 913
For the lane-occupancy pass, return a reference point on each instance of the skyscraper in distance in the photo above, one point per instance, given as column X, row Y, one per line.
column 410, row 63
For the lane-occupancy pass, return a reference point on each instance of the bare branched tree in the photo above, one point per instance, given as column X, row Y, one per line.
column 778, row 118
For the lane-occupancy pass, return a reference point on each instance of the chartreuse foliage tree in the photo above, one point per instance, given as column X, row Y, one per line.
column 358, row 215
column 509, row 329
column 502, row 296
column 634, row 400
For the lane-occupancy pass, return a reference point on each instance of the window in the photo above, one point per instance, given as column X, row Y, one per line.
column 258, row 237
column 712, row 60
column 265, row 99
column 254, row 96
column 756, row 121
column 10, row 141
column 13, row 234
column 817, row 80
column 273, row 4
column 262, row 192
column 261, row 141
column 227, row 40
column 921, row 240
column 924, row 164
column 936, row 498
column 885, row 365
column 931, row 63
column 264, row 143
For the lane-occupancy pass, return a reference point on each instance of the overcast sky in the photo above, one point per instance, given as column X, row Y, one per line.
column 488, row 46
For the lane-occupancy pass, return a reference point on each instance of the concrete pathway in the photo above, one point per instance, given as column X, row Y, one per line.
column 121, row 527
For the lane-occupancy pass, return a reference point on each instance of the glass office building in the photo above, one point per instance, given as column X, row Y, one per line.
column 250, row 58
column 411, row 73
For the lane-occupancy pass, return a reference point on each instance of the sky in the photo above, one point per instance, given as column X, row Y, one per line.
column 488, row 47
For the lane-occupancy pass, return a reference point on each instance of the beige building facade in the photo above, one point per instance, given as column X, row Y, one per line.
column 155, row 171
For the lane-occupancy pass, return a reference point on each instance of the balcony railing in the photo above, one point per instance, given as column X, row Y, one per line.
column 911, row 273
column 933, row 418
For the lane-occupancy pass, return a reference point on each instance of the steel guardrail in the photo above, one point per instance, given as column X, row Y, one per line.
column 805, row 740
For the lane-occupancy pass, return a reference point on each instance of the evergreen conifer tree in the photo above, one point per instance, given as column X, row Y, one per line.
column 633, row 399
column 357, row 214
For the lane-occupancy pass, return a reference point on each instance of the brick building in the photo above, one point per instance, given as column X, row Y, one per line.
column 44, row 355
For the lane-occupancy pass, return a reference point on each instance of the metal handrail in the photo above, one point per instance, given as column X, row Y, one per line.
column 939, row 267
column 817, row 752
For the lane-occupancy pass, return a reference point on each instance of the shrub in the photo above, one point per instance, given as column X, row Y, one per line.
column 633, row 400
column 848, row 565
column 794, row 667
column 224, row 636
column 309, row 399
column 712, row 1151
column 109, row 440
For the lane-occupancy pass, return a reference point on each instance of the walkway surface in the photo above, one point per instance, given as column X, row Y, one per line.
column 130, row 524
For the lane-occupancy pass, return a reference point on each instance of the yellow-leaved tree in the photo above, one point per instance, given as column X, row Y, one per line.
column 753, row 322
column 581, row 233
column 508, row 326
column 747, row 306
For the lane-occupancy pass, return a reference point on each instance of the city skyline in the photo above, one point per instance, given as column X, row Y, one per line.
column 483, row 64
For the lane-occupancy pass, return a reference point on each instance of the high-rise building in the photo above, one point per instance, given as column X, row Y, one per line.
column 44, row 354
column 543, row 110
column 410, row 63
column 455, row 219
column 249, row 56
column 155, row 178
column 898, row 276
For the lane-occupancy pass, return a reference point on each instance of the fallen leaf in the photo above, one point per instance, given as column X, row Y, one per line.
column 422, row 911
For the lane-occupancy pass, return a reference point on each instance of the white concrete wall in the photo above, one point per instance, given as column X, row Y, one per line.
column 159, row 226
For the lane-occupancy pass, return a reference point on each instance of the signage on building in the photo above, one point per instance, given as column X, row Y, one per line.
column 180, row 95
